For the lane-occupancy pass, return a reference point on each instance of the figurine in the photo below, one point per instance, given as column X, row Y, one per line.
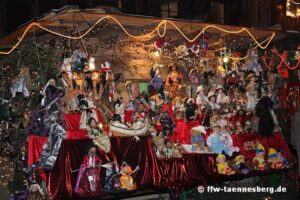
column 222, row 165
column 220, row 94
column 167, row 123
column 111, row 182
column 259, row 162
column 156, row 81
column 241, row 165
column 194, row 82
column 126, row 179
column 173, row 81
column 212, row 101
column 251, row 91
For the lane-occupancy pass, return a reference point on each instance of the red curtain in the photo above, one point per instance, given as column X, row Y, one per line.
column 177, row 173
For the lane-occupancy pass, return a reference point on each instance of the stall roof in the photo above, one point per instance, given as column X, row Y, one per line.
column 68, row 16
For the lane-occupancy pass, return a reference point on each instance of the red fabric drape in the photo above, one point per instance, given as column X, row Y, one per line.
column 177, row 173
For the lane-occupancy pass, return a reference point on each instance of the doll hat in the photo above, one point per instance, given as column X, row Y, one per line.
column 220, row 156
column 193, row 70
column 210, row 94
column 260, row 148
column 272, row 153
column 190, row 100
column 239, row 159
column 219, row 87
column 200, row 88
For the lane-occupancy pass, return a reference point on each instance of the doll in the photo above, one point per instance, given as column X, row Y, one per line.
column 156, row 82
column 201, row 98
column 190, row 111
column 120, row 108
column 239, row 128
column 282, row 161
column 222, row 165
column 197, row 138
column 167, row 123
column 111, row 182
column 173, row 80
column 258, row 161
column 88, row 181
column 168, row 149
column 178, row 108
column 274, row 163
column 220, row 94
column 218, row 142
column 20, row 83
column 266, row 123
column 241, row 165
column 251, row 93
column 95, row 132
column 212, row 101
column 126, row 179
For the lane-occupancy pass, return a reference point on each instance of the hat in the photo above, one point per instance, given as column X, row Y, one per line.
column 250, row 75
column 272, row 153
column 220, row 156
column 260, row 148
column 248, row 123
column 219, row 87
column 239, row 159
column 210, row 94
column 83, row 104
column 200, row 88
column 193, row 70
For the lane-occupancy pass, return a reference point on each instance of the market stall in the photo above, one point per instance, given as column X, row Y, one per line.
column 121, row 103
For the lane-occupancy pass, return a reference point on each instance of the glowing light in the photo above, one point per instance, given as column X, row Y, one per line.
column 157, row 54
column 225, row 59
column 162, row 24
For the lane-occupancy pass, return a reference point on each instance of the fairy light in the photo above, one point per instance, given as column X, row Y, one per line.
column 156, row 54
column 161, row 25
column 291, row 8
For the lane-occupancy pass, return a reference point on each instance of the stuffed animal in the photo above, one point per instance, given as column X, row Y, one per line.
column 241, row 165
column 222, row 166
column 258, row 161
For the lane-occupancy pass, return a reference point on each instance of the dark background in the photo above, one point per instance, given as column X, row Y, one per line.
column 252, row 13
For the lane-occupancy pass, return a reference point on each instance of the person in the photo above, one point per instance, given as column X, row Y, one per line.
column 295, row 135
column 88, row 180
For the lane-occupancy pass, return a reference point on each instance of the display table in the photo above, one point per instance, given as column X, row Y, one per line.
column 177, row 173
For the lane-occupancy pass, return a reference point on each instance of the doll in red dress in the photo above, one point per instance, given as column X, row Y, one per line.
column 88, row 181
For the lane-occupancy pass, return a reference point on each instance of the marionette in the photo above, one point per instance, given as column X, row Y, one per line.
column 222, row 166
column 265, row 118
column 173, row 80
column 258, row 161
column 251, row 62
column 66, row 67
column 251, row 93
column 201, row 98
column 20, row 83
column 212, row 101
column 126, row 180
column 88, row 180
column 56, row 136
column 241, row 165
column 111, row 182
column 167, row 123
column 219, row 142
column 85, row 116
column 100, row 139
column 156, row 81
column 194, row 81
column 38, row 189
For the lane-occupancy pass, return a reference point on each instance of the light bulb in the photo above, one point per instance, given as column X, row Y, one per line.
column 225, row 59
column 156, row 54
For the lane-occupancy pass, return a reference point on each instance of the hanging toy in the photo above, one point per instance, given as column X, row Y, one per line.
column 181, row 51
column 160, row 43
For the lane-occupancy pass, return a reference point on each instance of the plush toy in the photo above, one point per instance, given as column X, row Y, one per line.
column 222, row 166
column 241, row 165
column 258, row 161
column 220, row 142
column 276, row 161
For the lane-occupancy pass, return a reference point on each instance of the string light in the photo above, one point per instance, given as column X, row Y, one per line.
column 162, row 24
column 292, row 10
